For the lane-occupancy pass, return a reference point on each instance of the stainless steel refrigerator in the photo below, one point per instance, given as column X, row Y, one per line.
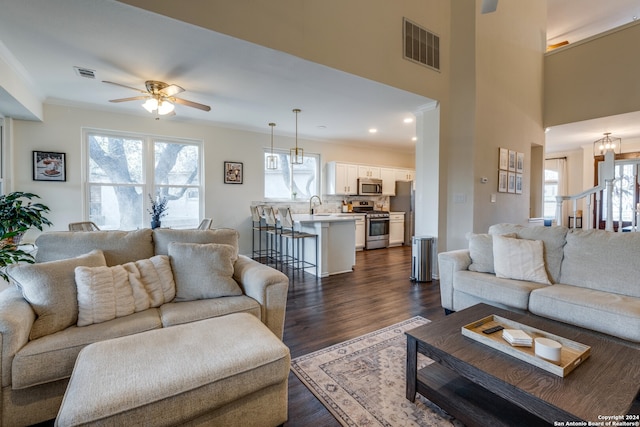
column 404, row 201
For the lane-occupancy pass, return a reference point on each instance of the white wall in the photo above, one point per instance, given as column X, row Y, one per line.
column 227, row 204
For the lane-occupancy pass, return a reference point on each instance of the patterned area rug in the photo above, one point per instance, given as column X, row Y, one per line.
column 362, row 381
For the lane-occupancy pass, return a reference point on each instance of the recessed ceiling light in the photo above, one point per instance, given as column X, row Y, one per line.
column 547, row 130
column 415, row 138
column 373, row 130
column 408, row 120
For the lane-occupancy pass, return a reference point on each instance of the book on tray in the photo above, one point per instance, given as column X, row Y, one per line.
column 517, row 337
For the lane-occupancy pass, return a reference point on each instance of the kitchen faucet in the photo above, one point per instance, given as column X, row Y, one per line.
column 311, row 200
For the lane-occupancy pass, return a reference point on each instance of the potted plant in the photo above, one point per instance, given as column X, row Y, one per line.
column 158, row 210
column 17, row 215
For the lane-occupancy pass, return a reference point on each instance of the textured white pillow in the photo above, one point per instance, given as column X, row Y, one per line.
column 203, row 271
column 105, row 293
column 481, row 252
column 519, row 259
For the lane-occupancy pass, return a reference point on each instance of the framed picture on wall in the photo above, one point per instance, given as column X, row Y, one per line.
column 519, row 162
column 518, row 183
column 502, row 181
column 233, row 172
column 511, row 182
column 49, row 166
column 503, row 159
column 512, row 161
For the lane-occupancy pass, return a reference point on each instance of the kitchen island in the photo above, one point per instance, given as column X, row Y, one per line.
column 336, row 242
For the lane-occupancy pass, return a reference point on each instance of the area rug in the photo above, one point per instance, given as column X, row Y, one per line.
column 362, row 381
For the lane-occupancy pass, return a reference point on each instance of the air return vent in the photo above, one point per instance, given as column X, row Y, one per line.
column 420, row 45
column 85, row 72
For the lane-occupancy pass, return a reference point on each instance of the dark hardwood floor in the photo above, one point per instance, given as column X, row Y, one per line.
column 327, row 311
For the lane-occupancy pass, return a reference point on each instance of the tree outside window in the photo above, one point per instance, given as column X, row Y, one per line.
column 292, row 182
column 123, row 169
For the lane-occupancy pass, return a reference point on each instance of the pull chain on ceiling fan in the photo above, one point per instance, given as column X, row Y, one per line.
column 159, row 97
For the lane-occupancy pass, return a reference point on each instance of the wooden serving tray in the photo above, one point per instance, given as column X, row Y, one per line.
column 571, row 355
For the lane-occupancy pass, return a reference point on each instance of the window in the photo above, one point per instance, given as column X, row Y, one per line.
column 292, row 182
column 550, row 193
column 125, row 169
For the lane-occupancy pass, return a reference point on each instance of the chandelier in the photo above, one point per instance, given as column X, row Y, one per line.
column 601, row 146
column 271, row 160
column 296, row 154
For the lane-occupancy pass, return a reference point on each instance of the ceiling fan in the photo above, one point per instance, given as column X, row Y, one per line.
column 160, row 97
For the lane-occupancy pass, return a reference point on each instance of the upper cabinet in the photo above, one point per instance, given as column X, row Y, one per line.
column 368, row 171
column 405, row 175
column 342, row 179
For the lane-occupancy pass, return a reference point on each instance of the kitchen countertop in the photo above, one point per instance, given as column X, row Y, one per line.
column 325, row 217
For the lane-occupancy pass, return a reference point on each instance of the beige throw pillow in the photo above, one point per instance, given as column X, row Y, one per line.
column 481, row 252
column 105, row 293
column 50, row 288
column 519, row 259
column 203, row 270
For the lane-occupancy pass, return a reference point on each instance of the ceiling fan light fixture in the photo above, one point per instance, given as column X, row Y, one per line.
column 165, row 107
column 150, row 105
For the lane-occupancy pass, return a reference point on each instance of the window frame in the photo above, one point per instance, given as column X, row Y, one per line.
column 148, row 183
column 318, row 174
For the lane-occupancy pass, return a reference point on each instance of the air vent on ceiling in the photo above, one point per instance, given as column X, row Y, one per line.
column 85, row 72
column 421, row 45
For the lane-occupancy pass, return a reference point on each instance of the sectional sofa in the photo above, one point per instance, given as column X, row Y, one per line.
column 587, row 278
column 93, row 286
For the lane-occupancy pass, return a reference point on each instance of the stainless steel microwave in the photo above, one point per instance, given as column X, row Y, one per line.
column 369, row 187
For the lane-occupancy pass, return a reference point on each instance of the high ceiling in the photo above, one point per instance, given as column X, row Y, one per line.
column 246, row 85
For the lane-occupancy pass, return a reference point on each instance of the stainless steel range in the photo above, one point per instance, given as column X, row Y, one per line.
column 376, row 224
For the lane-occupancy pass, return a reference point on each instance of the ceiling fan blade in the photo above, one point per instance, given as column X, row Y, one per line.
column 121, row 85
column 190, row 104
column 133, row 98
column 489, row 6
column 171, row 90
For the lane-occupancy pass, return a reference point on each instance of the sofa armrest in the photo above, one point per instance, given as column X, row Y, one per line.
column 448, row 264
column 16, row 319
column 266, row 285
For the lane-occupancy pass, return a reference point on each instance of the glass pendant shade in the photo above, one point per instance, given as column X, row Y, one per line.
column 150, row 105
column 163, row 107
column 271, row 161
column 296, row 154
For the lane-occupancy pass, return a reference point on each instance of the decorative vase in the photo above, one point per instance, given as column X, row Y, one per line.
column 155, row 224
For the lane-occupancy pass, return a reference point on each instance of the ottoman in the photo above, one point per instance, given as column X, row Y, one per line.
column 229, row 370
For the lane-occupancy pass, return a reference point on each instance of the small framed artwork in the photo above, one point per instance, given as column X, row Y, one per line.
column 519, row 162
column 518, row 183
column 232, row 172
column 512, row 161
column 511, row 182
column 502, row 181
column 49, row 166
column 504, row 159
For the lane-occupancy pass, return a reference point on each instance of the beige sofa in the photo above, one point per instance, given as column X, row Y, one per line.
column 39, row 317
column 592, row 276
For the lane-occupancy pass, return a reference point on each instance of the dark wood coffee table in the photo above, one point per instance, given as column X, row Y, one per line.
column 482, row 386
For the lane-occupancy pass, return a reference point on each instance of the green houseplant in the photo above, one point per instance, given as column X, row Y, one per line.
column 17, row 215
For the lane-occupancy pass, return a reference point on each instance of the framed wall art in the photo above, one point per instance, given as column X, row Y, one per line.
column 512, row 161
column 518, row 183
column 502, row 181
column 511, row 182
column 49, row 166
column 503, row 159
column 519, row 162
column 233, row 172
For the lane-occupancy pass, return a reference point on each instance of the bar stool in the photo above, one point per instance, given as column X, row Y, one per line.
column 257, row 226
column 274, row 240
column 296, row 239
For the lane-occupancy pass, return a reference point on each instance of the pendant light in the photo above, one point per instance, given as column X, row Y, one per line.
column 271, row 160
column 296, row 154
column 608, row 143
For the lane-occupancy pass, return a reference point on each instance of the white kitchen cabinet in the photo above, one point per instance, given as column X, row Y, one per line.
column 365, row 171
column 388, row 176
column 405, row 175
column 341, row 179
column 360, row 232
column 396, row 228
